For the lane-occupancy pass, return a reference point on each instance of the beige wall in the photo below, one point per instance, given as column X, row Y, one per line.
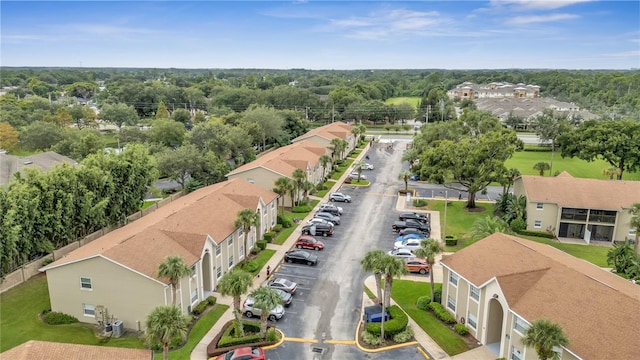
column 548, row 216
column 127, row 295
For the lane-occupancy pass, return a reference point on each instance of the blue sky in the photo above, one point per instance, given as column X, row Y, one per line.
column 556, row 34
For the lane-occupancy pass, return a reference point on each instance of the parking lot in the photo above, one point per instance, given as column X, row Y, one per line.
column 321, row 321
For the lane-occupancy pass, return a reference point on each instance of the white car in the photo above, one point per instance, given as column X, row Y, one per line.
column 402, row 253
column 250, row 311
column 316, row 220
column 354, row 175
column 367, row 166
column 410, row 244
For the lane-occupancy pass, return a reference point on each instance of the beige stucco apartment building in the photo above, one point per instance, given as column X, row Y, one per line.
column 576, row 208
column 499, row 285
column 116, row 275
column 324, row 134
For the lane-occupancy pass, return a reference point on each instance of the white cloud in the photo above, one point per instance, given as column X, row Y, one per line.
column 536, row 4
column 521, row 20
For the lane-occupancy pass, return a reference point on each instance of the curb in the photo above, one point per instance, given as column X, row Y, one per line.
column 276, row 344
column 381, row 349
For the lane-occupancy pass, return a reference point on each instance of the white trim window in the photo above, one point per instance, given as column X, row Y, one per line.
column 539, row 206
column 219, row 272
column 218, row 250
column 230, row 260
column 241, row 252
column 85, row 283
column 519, row 325
column 515, row 354
column 474, row 292
column 194, row 295
column 451, row 303
column 453, row 278
column 537, row 224
column 89, row 310
column 472, row 321
column 194, row 272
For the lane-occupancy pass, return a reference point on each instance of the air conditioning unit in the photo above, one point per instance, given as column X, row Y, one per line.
column 118, row 328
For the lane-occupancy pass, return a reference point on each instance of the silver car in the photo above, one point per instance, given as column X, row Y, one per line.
column 249, row 311
column 336, row 196
column 329, row 217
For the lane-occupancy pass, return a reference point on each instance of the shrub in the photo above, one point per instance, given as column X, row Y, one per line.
column 255, row 251
column 268, row 236
column 371, row 339
column 397, row 324
column 286, row 223
column 321, row 187
column 272, row 335
column 423, row 302
column 301, row 209
column 404, row 336
column 518, row 224
column 200, row 308
column 251, row 266
column 261, row 244
column 451, row 240
column 47, row 261
column 227, row 340
column 419, row 203
column 442, row 313
column 58, row 318
column 461, row 329
column 277, row 228
column 437, row 295
column 212, row 300
column 543, row 234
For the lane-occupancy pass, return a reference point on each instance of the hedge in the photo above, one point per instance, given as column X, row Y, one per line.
column 261, row 244
column 451, row 240
column 442, row 313
column 302, row 209
column 202, row 306
column 277, row 228
column 397, row 324
column 58, row 318
column 542, row 234
column 268, row 236
column 286, row 223
column 229, row 339
column 461, row 329
column 423, row 302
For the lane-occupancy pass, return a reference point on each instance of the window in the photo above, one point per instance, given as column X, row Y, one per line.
column 537, row 224
column 219, row 272
column 472, row 320
column 218, row 250
column 451, row 303
column 240, row 232
column 89, row 310
column 241, row 252
column 515, row 354
column 85, row 283
column 194, row 295
column 230, row 260
column 520, row 325
column 453, row 278
column 250, row 181
column 193, row 271
column 475, row 293
column 539, row 206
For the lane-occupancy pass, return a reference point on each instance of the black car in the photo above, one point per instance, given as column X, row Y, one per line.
column 415, row 216
column 301, row 256
column 413, row 231
column 317, row 229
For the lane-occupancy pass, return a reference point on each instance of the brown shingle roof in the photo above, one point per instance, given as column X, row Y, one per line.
column 566, row 190
column 599, row 311
column 46, row 350
column 330, row 131
column 287, row 159
column 179, row 228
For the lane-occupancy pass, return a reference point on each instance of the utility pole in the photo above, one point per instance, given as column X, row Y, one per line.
column 444, row 226
column 333, row 113
column 306, row 113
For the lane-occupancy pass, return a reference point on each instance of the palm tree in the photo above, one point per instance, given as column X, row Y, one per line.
column 281, row 185
column 542, row 167
column 488, row 225
column 306, row 187
column 299, row 177
column 544, row 335
column 357, row 167
column 404, row 176
column 508, row 178
column 372, row 261
column 335, row 144
column 163, row 325
column 635, row 223
column 246, row 219
column 174, row 269
column 291, row 189
column 324, row 161
column 611, row 172
column 620, row 256
column 428, row 250
column 516, row 208
column 392, row 267
column 265, row 298
column 411, row 155
column 235, row 283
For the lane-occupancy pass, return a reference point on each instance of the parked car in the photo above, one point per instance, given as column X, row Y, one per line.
column 414, row 177
column 355, row 175
column 416, row 265
column 317, row 229
column 328, row 216
column 415, row 216
column 330, row 208
column 410, row 223
column 243, row 353
column 317, row 220
column 367, row 166
column 410, row 236
column 308, row 242
column 301, row 257
column 411, row 244
column 413, row 231
column 249, row 311
column 286, row 297
column 402, row 253
column 336, row 196
column 282, row 284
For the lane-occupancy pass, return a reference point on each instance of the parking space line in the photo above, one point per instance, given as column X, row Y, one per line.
column 340, row 342
column 423, row 352
column 312, row 341
column 298, row 276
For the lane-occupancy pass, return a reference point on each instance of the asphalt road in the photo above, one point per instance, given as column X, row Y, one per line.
column 326, row 307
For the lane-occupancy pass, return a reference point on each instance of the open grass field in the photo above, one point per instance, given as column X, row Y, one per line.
column 524, row 161
column 19, row 310
column 596, row 255
column 413, row 101
column 459, row 220
column 405, row 293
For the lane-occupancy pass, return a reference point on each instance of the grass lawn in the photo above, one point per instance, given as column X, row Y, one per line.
column 262, row 259
column 19, row 309
column 146, row 204
column 459, row 220
column 405, row 293
column 596, row 255
column 329, row 184
column 413, row 101
column 524, row 161
column 198, row 331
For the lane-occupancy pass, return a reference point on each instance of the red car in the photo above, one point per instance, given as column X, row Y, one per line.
column 309, row 242
column 416, row 265
column 243, row 353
